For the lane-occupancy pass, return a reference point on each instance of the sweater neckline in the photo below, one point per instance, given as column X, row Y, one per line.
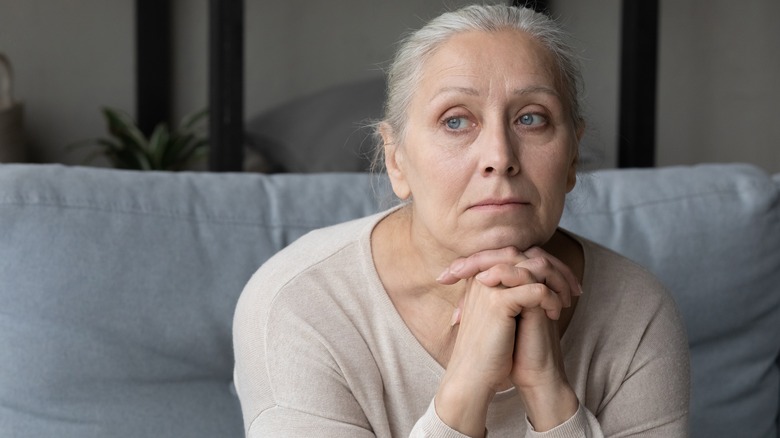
column 407, row 337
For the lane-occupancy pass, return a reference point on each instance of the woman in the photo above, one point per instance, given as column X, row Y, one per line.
column 461, row 311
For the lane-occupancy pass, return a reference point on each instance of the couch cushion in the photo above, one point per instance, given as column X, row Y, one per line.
column 118, row 287
column 712, row 234
column 118, row 291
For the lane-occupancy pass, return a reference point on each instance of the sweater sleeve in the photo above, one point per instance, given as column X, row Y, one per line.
column 430, row 426
column 287, row 375
column 645, row 354
column 627, row 351
column 581, row 424
column 653, row 397
column 642, row 351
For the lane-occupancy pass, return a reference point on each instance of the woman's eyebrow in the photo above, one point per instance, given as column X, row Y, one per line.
column 533, row 89
column 454, row 89
column 536, row 89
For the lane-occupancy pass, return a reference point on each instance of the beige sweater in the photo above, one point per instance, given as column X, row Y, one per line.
column 321, row 351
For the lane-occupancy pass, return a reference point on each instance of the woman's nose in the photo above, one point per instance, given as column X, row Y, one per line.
column 498, row 153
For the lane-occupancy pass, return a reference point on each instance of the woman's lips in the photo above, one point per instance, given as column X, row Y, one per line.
column 499, row 204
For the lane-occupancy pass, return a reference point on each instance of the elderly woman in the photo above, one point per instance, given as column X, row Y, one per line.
column 465, row 310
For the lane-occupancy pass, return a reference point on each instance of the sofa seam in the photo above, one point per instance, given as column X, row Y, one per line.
column 651, row 203
column 116, row 208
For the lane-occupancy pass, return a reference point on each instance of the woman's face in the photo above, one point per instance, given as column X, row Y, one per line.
column 489, row 150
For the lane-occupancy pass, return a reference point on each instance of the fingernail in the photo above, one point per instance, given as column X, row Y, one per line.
column 481, row 275
column 579, row 289
column 443, row 275
column 455, row 317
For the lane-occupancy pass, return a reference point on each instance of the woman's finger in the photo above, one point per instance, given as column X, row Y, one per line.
column 545, row 271
column 467, row 267
column 574, row 284
column 522, row 289
column 536, row 270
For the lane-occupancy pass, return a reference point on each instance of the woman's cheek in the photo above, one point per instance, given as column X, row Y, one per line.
column 453, row 141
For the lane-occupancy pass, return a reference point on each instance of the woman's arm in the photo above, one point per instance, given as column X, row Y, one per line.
column 286, row 372
column 652, row 397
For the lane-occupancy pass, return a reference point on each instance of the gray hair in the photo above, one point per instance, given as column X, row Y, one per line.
column 406, row 69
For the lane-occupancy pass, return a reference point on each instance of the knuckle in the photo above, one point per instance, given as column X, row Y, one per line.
column 475, row 258
column 539, row 291
column 511, row 252
column 524, row 275
column 535, row 251
column 543, row 264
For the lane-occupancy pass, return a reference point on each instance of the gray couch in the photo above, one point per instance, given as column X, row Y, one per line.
column 117, row 288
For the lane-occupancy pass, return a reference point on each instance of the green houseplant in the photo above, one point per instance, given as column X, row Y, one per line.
column 127, row 147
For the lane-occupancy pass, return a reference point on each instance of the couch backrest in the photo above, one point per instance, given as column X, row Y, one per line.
column 712, row 235
column 118, row 287
column 118, row 290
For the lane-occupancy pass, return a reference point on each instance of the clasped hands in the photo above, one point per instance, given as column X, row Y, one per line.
column 508, row 334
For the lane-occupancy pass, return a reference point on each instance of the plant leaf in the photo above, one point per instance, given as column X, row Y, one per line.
column 141, row 159
column 122, row 126
column 126, row 147
column 158, row 145
column 194, row 150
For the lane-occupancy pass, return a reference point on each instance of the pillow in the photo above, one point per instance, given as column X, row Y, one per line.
column 323, row 132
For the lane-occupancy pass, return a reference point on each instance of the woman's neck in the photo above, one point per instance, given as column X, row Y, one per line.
column 409, row 264
column 408, row 272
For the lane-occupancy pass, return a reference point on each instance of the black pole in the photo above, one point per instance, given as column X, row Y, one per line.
column 226, row 85
column 638, row 72
column 153, row 63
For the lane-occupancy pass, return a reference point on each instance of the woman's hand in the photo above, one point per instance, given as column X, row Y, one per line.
column 464, row 268
column 508, row 329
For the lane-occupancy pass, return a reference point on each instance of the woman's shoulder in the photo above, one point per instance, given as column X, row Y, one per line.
column 319, row 244
column 313, row 249
column 289, row 285
column 606, row 268
column 626, row 327
column 307, row 270
column 620, row 291
column 623, row 303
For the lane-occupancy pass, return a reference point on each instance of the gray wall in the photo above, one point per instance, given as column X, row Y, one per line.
column 719, row 82
column 595, row 29
column 718, row 65
column 294, row 48
column 70, row 57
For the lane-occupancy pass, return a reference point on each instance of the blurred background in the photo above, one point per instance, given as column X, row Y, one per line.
column 718, row 67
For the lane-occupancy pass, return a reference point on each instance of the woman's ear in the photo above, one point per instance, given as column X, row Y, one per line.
column 580, row 130
column 571, row 175
column 394, row 161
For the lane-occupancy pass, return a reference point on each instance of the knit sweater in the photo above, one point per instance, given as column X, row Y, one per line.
column 322, row 352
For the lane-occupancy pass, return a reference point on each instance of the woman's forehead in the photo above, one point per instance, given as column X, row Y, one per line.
column 475, row 62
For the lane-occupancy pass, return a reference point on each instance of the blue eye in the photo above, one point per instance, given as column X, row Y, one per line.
column 531, row 119
column 457, row 123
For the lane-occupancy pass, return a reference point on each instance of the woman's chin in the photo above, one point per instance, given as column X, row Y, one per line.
column 503, row 238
